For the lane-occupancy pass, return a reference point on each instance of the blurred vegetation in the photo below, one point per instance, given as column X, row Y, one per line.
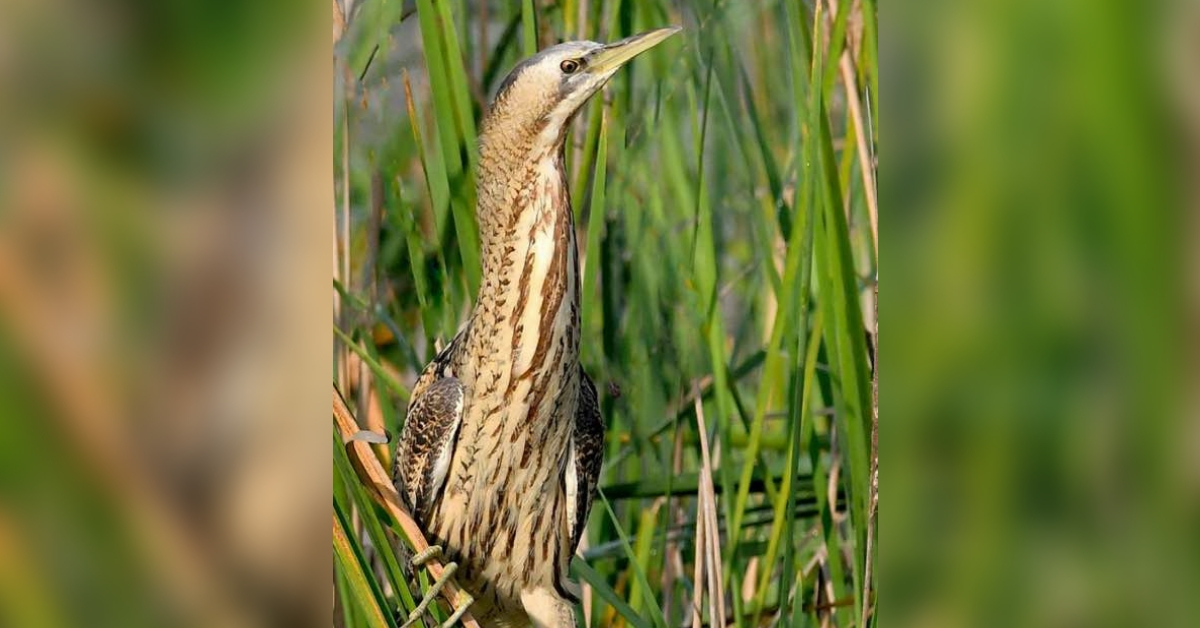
column 725, row 222
column 149, row 239
column 1041, row 433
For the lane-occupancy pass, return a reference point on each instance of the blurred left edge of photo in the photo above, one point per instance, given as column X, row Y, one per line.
column 165, row 257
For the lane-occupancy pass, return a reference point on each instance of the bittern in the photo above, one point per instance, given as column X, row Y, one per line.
column 501, row 449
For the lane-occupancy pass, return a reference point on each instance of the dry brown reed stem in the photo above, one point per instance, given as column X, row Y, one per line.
column 865, row 162
column 698, row 575
column 673, row 564
column 380, row 486
column 342, row 262
column 861, row 135
column 367, row 391
column 835, row 470
column 873, row 485
column 707, row 510
column 339, row 21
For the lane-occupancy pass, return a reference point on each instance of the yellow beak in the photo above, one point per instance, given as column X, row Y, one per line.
column 616, row 54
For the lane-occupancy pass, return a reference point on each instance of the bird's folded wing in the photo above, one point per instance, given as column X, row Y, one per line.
column 587, row 455
column 426, row 444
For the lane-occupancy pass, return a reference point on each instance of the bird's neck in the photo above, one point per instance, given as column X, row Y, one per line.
column 528, row 304
column 521, row 175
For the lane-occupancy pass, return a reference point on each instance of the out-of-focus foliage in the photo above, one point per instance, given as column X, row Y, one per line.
column 163, row 187
column 723, row 194
column 1038, row 444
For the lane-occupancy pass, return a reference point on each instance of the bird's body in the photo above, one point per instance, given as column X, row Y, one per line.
column 503, row 514
column 501, row 449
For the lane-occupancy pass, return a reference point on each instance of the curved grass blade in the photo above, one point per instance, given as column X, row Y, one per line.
column 366, row 593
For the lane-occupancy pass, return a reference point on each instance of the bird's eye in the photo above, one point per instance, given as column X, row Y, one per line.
column 570, row 66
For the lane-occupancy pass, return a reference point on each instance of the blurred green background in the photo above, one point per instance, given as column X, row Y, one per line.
column 1039, row 440
column 163, row 192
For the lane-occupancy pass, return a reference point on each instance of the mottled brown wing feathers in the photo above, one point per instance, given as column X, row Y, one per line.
column 427, row 444
column 588, row 446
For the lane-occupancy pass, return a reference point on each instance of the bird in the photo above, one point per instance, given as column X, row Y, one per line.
column 502, row 445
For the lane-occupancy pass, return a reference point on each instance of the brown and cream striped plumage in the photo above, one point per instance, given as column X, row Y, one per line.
column 501, row 448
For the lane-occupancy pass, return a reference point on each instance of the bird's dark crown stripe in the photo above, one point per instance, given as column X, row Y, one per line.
column 507, row 83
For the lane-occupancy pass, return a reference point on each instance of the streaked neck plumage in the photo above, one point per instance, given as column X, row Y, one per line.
column 530, row 290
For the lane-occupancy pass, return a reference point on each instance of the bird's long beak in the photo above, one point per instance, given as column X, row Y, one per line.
column 615, row 55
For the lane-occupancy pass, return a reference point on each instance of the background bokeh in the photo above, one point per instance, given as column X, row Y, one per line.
column 1039, row 433
column 164, row 246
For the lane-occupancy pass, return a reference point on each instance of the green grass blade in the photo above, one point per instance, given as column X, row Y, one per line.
column 591, row 270
column 656, row 614
column 376, row 368
column 354, row 494
column 450, row 142
column 529, row 43
column 365, row 591
column 600, row 587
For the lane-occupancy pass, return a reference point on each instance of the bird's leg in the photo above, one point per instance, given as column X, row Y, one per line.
column 429, row 553
column 426, row 555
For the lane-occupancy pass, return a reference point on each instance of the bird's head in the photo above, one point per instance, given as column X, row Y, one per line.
column 543, row 92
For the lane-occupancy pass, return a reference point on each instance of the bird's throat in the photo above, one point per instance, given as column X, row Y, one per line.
column 528, row 305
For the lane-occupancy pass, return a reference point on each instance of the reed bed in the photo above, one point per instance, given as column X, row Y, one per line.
column 724, row 192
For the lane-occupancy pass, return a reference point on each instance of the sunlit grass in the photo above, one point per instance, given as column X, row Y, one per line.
column 728, row 256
